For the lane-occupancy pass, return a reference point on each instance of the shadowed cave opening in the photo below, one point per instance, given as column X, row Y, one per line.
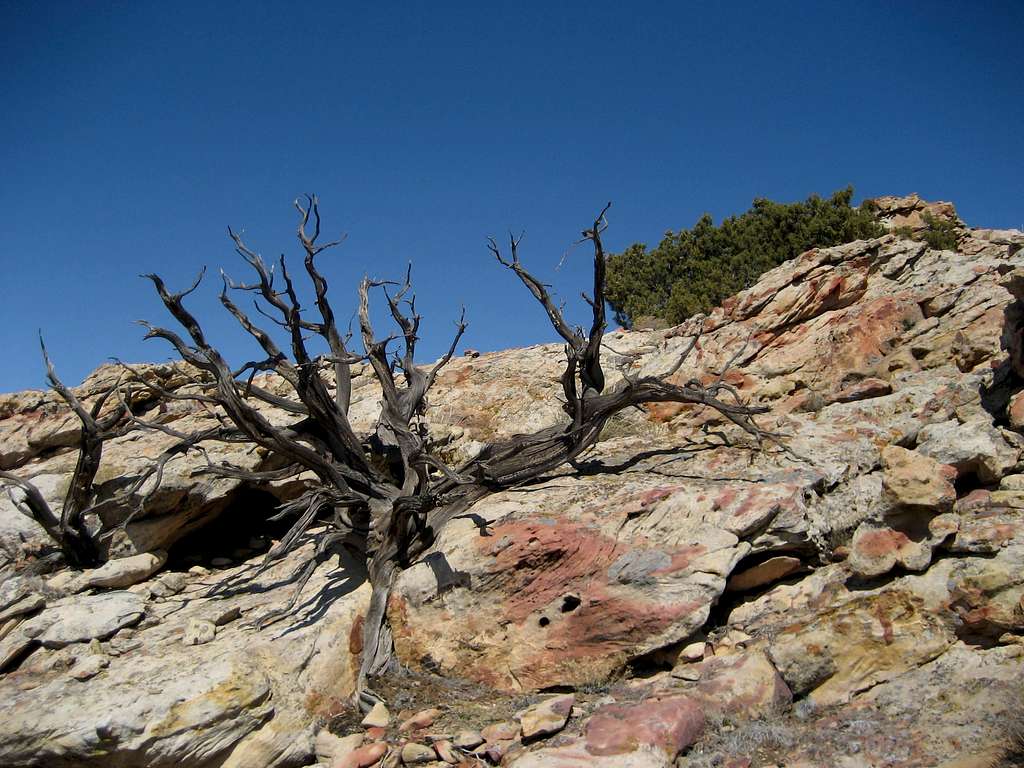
column 243, row 529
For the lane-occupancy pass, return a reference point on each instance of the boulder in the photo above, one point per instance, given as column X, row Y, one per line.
column 468, row 739
column 916, row 481
column 195, row 708
column 1015, row 411
column 416, row 754
column 246, row 698
column 362, row 757
column 329, row 747
column 504, row 731
column 422, row 719
column 546, row 718
column 576, row 755
column 19, row 596
column 377, row 717
column 669, row 725
column 741, row 686
column 864, row 641
column 877, row 550
column 123, row 571
column 976, row 448
column 89, row 666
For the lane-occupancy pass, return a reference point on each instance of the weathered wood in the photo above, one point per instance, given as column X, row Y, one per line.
column 383, row 495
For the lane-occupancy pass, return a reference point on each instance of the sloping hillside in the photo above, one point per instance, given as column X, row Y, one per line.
column 851, row 596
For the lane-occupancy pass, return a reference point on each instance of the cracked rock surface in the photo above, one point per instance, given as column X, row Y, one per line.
column 849, row 597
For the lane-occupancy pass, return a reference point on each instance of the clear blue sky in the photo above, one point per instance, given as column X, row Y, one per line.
column 132, row 134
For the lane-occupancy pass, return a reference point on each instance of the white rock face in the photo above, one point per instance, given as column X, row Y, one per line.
column 244, row 699
column 124, row 571
column 81, row 620
column 187, row 712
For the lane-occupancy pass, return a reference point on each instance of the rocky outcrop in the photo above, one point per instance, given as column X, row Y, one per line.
column 246, row 697
column 869, row 560
column 909, row 211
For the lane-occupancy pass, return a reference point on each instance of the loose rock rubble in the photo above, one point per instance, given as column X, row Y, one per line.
column 852, row 597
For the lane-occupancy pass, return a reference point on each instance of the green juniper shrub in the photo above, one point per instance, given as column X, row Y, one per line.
column 940, row 234
column 693, row 270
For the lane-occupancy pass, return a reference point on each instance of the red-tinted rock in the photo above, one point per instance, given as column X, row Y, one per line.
column 744, row 686
column 363, row 757
column 913, row 480
column 862, row 390
column 500, row 732
column 1015, row 411
column 422, row 719
column 670, row 725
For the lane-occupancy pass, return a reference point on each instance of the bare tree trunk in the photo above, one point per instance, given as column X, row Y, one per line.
column 385, row 494
column 68, row 530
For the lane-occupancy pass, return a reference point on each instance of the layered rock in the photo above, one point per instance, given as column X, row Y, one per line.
column 884, row 366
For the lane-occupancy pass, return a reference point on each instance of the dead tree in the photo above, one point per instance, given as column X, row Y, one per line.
column 386, row 495
column 69, row 529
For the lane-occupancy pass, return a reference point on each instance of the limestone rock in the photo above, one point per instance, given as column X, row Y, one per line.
column 576, row 755
column 416, row 754
column 669, row 725
column 445, row 751
column 124, row 571
column 19, row 596
column 976, row 447
column 742, row 686
column 946, row 710
column 1015, row 411
column 13, row 590
column 80, row 620
column 909, row 211
column 285, row 740
column 422, row 719
column 199, row 631
column 496, row 751
column 329, row 747
column 546, row 718
column 691, row 673
column 378, row 717
column 245, row 699
column 13, row 646
column 693, row 651
column 877, row 550
column 364, row 756
column 64, row 580
column 28, row 604
column 505, row 731
column 916, row 481
column 198, row 707
column 219, row 615
column 863, row 642
column 168, row 584
column 468, row 739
